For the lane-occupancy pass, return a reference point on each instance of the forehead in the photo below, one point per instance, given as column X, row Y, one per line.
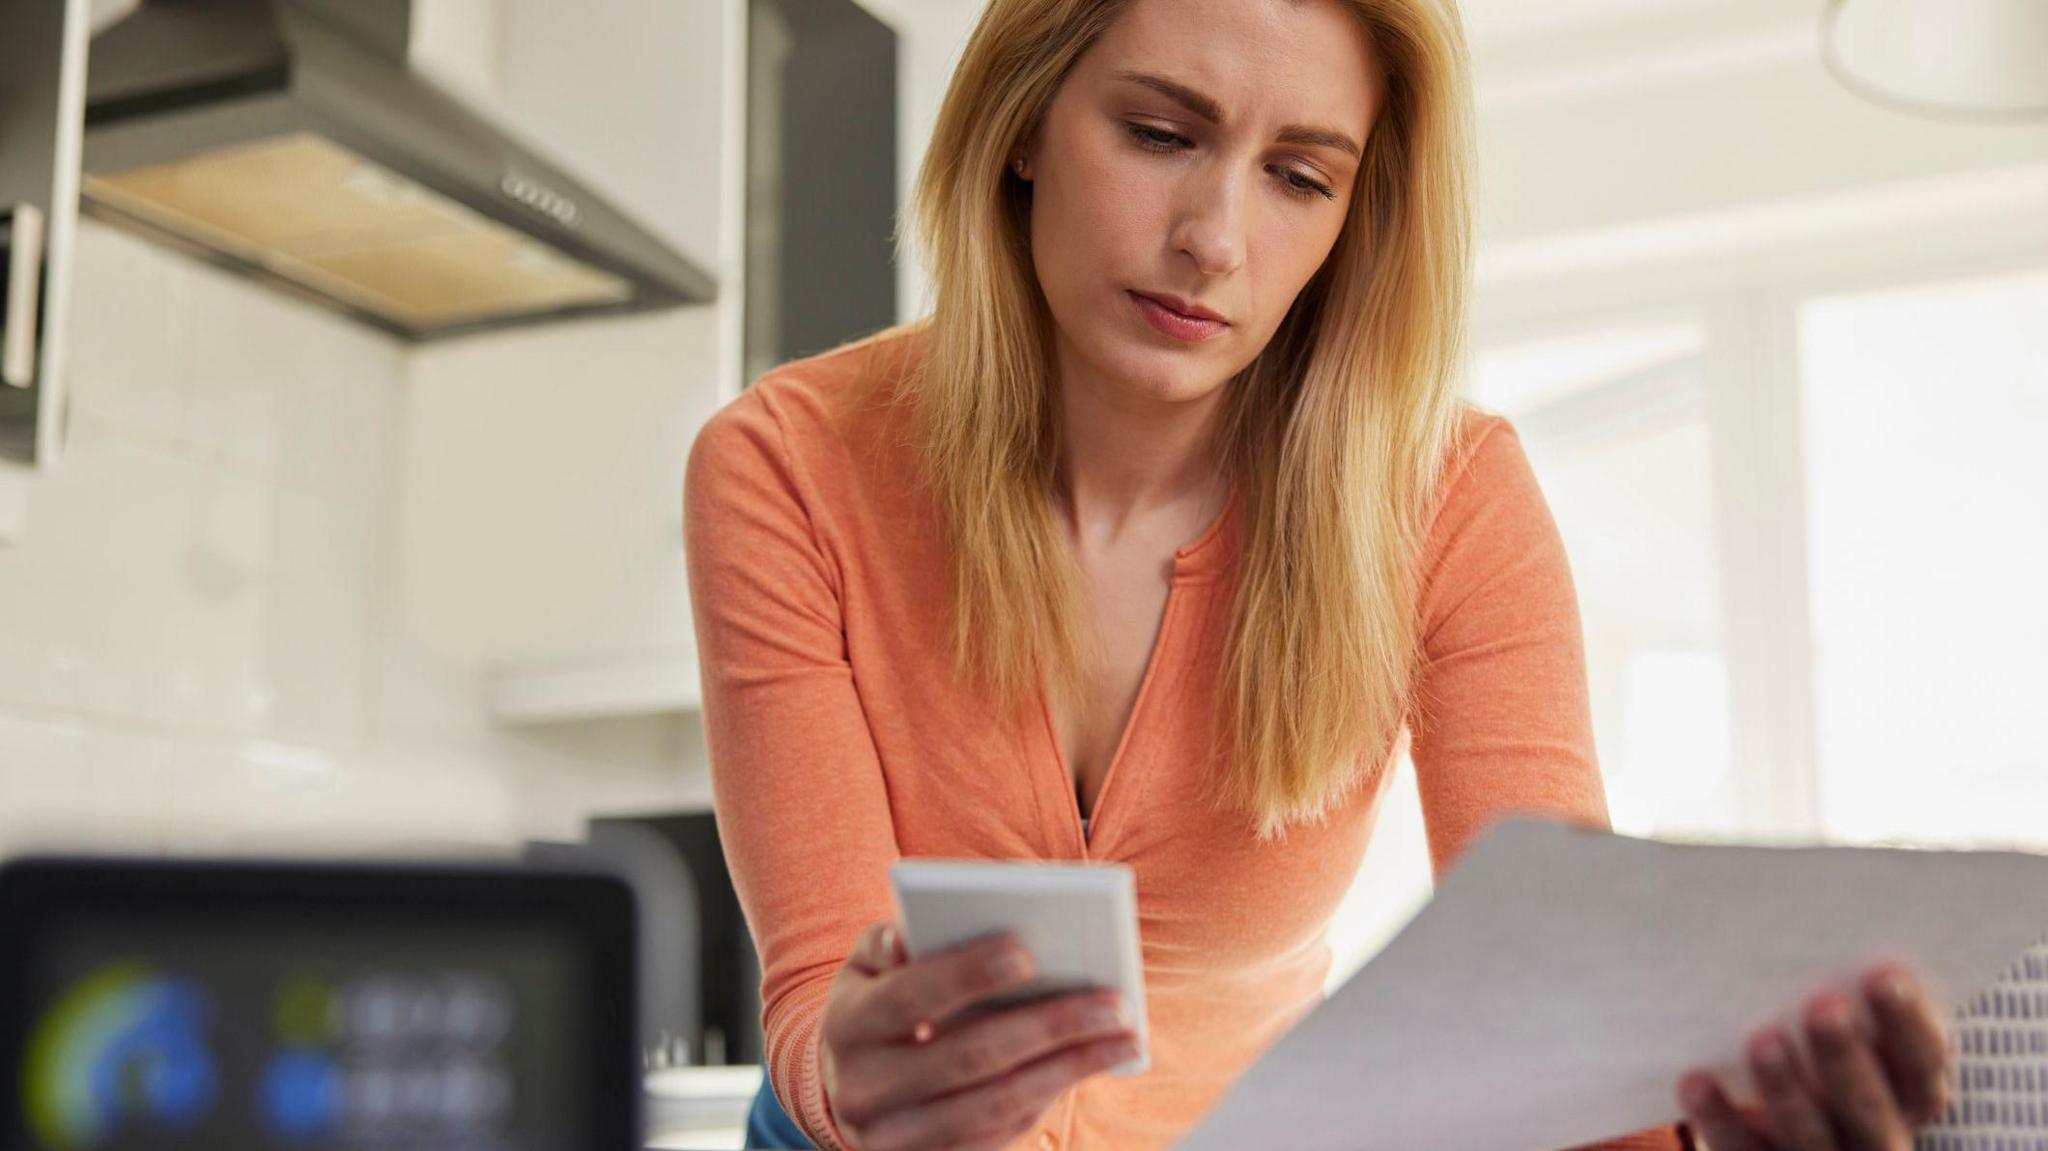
column 1265, row 61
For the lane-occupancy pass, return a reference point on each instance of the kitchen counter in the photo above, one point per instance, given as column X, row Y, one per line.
column 699, row 1108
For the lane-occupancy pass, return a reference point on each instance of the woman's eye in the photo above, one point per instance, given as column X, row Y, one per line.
column 1158, row 140
column 1307, row 187
column 1155, row 139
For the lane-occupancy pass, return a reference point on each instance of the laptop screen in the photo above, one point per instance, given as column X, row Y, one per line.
column 151, row 1006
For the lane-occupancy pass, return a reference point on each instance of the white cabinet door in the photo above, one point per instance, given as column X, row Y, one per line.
column 540, row 534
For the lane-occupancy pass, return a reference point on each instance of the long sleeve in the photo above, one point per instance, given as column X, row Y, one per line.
column 796, row 782
column 1502, row 722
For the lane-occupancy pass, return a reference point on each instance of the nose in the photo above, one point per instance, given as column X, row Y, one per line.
column 1213, row 218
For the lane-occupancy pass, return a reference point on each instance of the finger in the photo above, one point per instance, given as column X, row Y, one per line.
column 933, row 987
column 1851, row 1080
column 995, row 1045
column 874, row 951
column 1714, row 1117
column 1797, row 1121
column 996, row 1141
column 999, row 1136
column 992, row 1136
column 1012, row 1102
column 1911, row 1045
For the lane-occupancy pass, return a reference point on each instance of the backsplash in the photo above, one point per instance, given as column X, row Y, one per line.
column 200, row 644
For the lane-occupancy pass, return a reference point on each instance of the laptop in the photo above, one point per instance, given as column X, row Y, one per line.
column 239, row 1005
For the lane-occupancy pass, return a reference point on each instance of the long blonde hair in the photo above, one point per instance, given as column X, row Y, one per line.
column 1334, row 434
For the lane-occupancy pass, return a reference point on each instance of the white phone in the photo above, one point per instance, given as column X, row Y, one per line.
column 1078, row 920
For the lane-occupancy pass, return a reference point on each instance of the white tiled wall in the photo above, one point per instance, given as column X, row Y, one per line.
column 201, row 647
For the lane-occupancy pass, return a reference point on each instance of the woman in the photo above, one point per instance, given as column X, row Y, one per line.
column 1149, row 546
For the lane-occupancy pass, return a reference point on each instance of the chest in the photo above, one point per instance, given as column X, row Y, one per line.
column 1124, row 597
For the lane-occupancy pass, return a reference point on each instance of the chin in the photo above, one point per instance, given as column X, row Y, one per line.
column 1168, row 375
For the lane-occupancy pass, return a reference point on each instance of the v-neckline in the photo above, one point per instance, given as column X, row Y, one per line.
column 1069, row 786
column 1189, row 562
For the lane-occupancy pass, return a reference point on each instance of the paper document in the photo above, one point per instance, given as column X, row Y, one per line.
column 1561, row 980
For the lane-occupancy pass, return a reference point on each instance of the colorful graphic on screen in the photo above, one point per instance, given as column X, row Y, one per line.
column 122, row 1050
column 302, row 1092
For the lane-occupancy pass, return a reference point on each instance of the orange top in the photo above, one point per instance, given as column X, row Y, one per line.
column 840, row 737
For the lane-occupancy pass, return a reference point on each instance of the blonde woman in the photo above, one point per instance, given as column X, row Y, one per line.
column 1150, row 545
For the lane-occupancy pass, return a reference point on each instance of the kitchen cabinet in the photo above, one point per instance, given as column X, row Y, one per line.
column 539, row 541
column 42, row 108
column 821, row 162
column 540, row 536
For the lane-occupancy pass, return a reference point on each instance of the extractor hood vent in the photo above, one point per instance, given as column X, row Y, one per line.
column 289, row 140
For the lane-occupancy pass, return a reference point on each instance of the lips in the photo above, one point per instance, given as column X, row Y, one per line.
column 1175, row 303
column 1174, row 324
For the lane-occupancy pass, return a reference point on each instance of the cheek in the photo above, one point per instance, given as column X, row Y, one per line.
column 1282, row 263
column 1101, row 223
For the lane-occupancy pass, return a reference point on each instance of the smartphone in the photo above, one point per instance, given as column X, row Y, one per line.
column 1078, row 920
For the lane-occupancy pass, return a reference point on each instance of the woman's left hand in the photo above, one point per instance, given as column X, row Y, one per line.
column 1877, row 1075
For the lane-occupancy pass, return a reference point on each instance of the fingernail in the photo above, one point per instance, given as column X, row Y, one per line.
column 1893, row 987
column 1012, row 968
column 1831, row 1018
column 1770, row 1052
column 1694, row 1092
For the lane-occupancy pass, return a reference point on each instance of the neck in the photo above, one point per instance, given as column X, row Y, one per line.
column 1126, row 460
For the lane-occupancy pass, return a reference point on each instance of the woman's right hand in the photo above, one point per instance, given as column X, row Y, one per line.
column 904, row 1069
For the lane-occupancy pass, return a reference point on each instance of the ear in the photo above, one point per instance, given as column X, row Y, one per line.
column 1026, row 152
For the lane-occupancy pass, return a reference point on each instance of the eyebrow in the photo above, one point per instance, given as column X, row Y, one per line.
column 1208, row 109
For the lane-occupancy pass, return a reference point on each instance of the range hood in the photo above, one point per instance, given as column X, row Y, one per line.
column 290, row 140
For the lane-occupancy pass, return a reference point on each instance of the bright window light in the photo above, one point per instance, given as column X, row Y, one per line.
column 1927, row 488
column 1616, row 425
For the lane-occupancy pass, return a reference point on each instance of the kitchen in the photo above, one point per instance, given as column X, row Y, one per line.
column 287, row 575
column 293, row 578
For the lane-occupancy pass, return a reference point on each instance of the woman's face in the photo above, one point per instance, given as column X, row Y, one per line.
column 1204, row 150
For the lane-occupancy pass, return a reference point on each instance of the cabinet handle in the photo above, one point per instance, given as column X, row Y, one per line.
column 21, row 239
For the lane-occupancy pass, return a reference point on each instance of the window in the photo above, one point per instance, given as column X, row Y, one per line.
column 1809, row 534
column 1615, row 421
column 1926, row 414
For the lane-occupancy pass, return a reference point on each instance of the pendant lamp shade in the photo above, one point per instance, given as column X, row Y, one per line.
column 1961, row 59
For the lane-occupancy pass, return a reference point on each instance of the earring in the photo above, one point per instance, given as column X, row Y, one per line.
column 1019, row 165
